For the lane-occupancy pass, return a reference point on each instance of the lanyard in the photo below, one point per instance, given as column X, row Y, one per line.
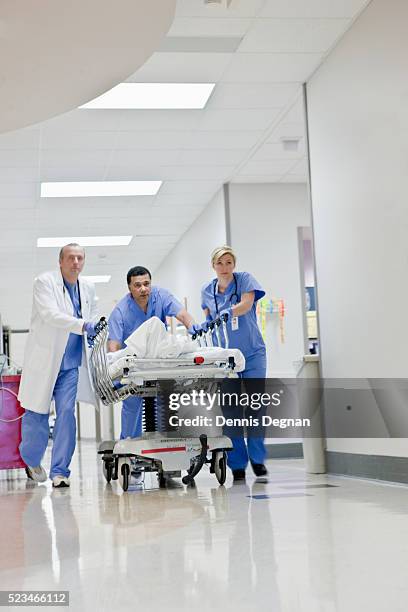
column 234, row 294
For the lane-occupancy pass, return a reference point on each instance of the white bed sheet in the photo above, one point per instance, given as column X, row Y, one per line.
column 152, row 341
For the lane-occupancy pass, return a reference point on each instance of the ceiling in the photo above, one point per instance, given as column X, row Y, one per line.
column 258, row 52
column 56, row 56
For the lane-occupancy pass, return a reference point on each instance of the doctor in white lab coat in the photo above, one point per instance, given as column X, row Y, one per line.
column 56, row 364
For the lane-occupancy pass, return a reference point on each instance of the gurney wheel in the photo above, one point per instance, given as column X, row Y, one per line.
column 162, row 480
column 124, row 473
column 220, row 466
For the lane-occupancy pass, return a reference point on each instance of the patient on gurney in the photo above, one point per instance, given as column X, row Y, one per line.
column 152, row 341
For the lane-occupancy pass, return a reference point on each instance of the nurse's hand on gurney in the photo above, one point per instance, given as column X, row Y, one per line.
column 199, row 330
column 194, row 329
column 226, row 314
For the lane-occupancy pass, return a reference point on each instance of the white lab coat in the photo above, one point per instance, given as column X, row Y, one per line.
column 52, row 320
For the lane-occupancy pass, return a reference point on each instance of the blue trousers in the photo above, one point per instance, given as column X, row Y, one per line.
column 254, row 448
column 35, row 430
column 131, row 421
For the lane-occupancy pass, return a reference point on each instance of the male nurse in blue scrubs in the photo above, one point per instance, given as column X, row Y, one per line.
column 141, row 303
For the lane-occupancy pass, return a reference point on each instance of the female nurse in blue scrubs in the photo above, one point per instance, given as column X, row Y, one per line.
column 236, row 294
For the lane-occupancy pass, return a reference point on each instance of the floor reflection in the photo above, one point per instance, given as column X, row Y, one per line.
column 289, row 543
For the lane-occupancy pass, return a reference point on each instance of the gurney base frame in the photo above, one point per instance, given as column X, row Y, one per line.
column 165, row 454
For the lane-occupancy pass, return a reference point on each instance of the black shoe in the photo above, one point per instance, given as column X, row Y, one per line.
column 259, row 469
column 137, row 476
column 238, row 475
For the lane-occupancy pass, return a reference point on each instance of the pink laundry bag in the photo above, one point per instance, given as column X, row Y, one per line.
column 10, row 423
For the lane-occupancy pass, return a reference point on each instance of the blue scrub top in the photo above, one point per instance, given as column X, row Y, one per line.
column 247, row 338
column 73, row 351
column 128, row 316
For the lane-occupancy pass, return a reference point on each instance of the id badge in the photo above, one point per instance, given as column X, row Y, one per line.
column 234, row 324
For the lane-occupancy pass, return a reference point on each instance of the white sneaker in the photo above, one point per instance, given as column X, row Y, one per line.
column 38, row 474
column 60, row 482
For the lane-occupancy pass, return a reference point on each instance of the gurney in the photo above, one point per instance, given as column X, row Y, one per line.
column 117, row 377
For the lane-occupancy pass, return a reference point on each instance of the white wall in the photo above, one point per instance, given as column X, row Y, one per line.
column 264, row 233
column 185, row 270
column 308, row 263
column 358, row 125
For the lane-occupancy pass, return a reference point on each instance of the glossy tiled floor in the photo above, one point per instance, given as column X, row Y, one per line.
column 291, row 544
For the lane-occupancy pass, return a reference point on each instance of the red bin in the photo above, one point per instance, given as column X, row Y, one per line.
column 10, row 423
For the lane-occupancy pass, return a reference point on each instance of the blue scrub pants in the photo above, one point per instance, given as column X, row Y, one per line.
column 35, row 429
column 254, row 448
column 131, row 421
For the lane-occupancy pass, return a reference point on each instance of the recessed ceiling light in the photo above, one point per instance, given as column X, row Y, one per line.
column 97, row 279
column 146, row 96
column 86, row 189
column 85, row 241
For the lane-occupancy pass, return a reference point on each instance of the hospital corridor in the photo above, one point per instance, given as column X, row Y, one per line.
column 203, row 328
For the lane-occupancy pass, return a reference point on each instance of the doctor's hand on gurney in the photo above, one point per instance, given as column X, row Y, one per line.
column 92, row 329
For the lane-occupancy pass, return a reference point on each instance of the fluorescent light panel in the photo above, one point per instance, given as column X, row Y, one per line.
column 86, row 189
column 147, row 96
column 84, row 241
column 97, row 279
